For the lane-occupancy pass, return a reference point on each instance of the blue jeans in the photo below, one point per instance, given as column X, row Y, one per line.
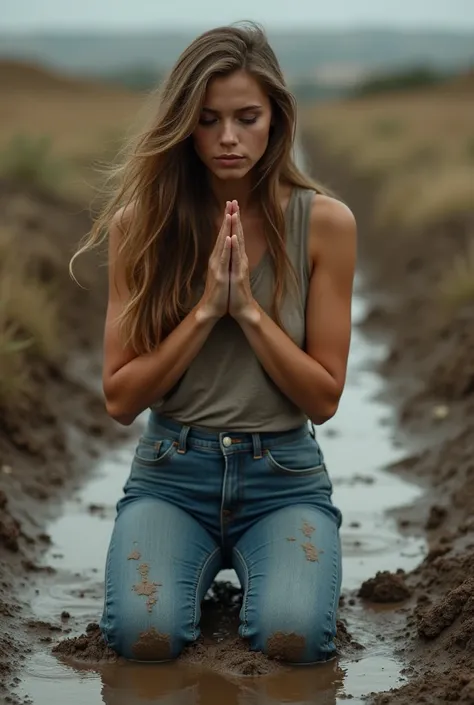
column 196, row 502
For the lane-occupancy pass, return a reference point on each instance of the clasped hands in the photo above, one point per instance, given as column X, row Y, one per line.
column 228, row 289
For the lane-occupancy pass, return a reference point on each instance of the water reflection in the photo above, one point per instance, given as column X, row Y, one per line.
column 136, row 684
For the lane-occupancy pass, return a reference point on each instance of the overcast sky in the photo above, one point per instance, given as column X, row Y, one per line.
column 156, row 14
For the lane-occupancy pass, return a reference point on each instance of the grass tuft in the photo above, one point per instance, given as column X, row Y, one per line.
column 31, row 161
column 457, row 286
column 29, row 322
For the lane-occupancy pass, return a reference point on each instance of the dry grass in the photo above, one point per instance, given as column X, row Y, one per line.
column 418, row 148
column 416, row 201
column 54, row 133
column 31, row 161
column 29, row 322
column 84, row 121
column 457, row 286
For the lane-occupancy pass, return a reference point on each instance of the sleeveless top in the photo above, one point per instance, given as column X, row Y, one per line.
column 225, row 387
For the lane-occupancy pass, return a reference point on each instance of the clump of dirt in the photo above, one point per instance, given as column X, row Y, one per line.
column 385, row 587
column 232, row 656
column 436, row 517
column 443, row 613
column 87, row 647
column 344, row 641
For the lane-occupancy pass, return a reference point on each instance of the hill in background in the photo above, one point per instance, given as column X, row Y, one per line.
column 332, row 58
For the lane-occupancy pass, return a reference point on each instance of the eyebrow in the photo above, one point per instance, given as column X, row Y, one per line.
column 239, row 110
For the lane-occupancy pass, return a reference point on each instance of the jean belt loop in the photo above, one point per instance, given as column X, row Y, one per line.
column 313, row 430
column 257, row 446
column 183, row 435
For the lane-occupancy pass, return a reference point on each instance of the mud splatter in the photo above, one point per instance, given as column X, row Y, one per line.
column 145, row 587
column 311, row 552
column 152, row 646
column 286, row 647
column 308, row 530
column 134, row 556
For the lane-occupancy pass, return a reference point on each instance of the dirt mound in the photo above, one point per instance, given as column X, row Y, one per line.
column 433, row 689
column 89, row 647
column 385, row 587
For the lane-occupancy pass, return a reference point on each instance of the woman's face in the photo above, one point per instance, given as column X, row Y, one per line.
column 234, row 125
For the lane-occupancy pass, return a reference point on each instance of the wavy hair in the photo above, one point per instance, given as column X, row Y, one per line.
column 168, row 235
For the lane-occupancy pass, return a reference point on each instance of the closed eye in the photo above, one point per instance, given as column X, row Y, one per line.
column 208, row 121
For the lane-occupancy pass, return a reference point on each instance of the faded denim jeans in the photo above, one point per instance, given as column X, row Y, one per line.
column 196, row 502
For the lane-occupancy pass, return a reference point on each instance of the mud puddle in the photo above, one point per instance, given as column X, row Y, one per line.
column 357, row 445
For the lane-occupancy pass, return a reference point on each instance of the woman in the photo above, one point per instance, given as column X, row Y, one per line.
column 229, row 316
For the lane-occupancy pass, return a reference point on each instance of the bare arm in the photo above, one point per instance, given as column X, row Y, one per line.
column 133, row 382
column 314, row 379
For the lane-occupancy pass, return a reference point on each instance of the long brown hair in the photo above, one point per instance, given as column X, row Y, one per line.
column 167, row 238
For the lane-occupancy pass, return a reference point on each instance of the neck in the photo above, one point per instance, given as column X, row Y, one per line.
column 233, row 189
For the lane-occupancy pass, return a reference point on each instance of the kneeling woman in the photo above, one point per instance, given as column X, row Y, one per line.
column 229, row 317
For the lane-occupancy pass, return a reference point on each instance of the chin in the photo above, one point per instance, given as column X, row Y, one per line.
column 226, row 174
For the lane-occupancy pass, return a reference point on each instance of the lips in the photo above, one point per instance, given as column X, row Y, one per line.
column 229, row 161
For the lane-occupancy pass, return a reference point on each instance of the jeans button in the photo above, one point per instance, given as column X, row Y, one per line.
column 227, row 441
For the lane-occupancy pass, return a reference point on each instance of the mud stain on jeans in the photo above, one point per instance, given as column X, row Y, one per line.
column 152, row 646
column 286, row 647
column 134, row 556
column 311, row 552
column 308, row 530
column 145, row 587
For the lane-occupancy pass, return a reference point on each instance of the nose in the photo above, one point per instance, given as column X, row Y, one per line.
column 228, row 137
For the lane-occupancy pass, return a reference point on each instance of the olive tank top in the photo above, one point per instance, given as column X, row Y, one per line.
column 225, row 387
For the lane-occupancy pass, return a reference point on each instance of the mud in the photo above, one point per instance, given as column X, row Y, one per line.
column 48, row 442
column 386, row 587
column 219, row 647
column 90, row 646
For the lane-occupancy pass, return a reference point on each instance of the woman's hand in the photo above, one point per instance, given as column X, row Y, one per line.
column 242, row 305
column 215, row 300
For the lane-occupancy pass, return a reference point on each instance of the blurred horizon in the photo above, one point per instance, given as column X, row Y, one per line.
column 22, row 16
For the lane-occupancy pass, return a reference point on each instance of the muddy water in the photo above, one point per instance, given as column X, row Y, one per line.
column 357, row 445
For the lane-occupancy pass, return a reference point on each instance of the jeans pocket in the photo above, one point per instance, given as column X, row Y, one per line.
column 301, row 457
column 151, row 453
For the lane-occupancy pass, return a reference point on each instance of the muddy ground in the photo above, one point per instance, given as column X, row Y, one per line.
column 42, row 450
column 430, row 377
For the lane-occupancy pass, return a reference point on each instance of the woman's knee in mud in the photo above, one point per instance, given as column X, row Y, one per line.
column 146, row 641
column 296, row 643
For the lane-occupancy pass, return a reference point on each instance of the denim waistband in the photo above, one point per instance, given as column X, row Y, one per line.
column 194, row 435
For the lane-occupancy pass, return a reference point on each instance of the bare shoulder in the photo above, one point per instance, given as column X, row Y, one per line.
column 332, row 223
column 122, row 219
column 118, row 227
